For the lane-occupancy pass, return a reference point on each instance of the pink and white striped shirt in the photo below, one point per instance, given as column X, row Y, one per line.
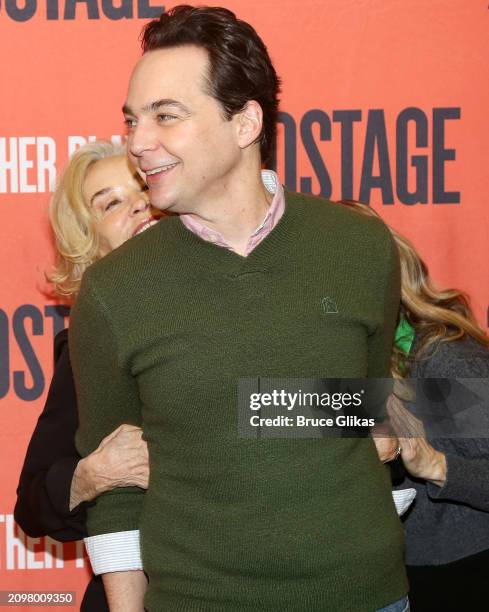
column 273, row 216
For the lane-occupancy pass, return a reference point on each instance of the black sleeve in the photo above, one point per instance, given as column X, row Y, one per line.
column 43, row 494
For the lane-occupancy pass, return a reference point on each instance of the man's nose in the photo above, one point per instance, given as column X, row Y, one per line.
column 140, row 139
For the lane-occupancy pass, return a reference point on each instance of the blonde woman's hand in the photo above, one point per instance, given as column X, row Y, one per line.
column 121, row 460
column 386, row 442
column 420, row 459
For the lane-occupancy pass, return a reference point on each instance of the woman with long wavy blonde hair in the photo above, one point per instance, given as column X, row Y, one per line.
column 447, row 528
column 435, row 315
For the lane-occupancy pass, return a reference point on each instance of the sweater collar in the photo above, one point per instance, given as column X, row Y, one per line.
column 205, row 254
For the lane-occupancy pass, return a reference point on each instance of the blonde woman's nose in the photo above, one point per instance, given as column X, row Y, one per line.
column 140, row 203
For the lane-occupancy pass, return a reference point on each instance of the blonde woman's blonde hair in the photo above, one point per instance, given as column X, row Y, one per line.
column 435, row 314
column 72, row 220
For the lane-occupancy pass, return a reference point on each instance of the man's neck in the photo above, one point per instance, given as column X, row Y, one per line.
column 239, row 211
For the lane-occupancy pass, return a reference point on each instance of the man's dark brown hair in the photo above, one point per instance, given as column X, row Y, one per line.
column 240, row 68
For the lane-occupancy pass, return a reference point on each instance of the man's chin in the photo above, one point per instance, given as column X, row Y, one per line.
column 161, row 201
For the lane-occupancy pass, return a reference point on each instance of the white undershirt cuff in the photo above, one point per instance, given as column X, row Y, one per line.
column 114, row 552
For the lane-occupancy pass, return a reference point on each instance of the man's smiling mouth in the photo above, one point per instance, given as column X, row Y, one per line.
column 160, row 169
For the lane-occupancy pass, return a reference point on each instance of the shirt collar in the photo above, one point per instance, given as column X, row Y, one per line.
column 273, row 215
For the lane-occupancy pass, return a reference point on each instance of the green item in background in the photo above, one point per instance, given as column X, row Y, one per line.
column 404, row 336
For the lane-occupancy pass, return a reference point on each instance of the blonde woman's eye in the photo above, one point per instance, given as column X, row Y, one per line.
column 111, row 204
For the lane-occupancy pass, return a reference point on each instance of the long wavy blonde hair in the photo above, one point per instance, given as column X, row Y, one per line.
column 72, row 221
column 435, row 314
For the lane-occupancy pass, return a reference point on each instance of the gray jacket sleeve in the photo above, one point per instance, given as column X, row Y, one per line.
column 467, row 458
column 467, row 481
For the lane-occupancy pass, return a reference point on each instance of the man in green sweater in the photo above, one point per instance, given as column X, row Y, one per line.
column 233, row 287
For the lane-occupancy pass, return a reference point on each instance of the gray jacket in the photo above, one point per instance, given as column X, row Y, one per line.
column 451, row 522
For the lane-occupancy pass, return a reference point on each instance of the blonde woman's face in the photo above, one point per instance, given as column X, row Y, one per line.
column 118, row 199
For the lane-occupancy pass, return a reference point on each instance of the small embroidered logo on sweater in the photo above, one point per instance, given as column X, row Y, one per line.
column 329, row 305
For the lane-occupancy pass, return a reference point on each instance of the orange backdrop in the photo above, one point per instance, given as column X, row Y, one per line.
column 386, row 101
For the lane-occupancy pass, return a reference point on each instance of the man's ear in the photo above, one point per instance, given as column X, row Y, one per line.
column 249, row 124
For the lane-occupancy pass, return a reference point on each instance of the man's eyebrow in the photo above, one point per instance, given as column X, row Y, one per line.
column 152, row 107
column 100, row 193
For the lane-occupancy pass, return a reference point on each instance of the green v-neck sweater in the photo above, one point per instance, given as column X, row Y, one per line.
column 163, row 329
